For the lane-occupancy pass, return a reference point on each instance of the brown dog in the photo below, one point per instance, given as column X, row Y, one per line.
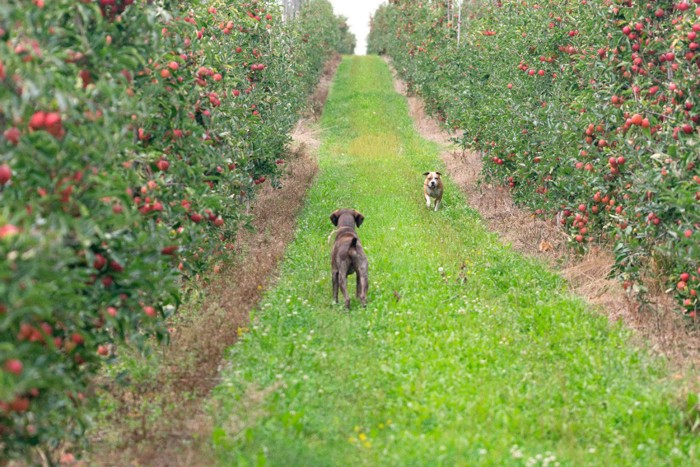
column 347, row 256
column 432, row 188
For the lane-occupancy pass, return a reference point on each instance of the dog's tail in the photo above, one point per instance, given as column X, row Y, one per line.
column 352, row 247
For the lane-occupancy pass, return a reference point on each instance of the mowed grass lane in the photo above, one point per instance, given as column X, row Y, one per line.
column 467, row 353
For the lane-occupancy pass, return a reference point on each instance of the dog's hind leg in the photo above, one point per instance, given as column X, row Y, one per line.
column 343, row 284
column 335, row 286
column 362, row 288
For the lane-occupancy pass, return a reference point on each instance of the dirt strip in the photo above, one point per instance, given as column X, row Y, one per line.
column 179, row 435
column 657, row 326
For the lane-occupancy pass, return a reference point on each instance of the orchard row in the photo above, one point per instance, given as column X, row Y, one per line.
column 589, row 111
column 133, row 135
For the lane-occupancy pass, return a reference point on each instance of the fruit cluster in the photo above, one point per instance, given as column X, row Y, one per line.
column 588, row 110
column 132, row 138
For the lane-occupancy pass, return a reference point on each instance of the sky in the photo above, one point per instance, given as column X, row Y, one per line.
column 358, row 13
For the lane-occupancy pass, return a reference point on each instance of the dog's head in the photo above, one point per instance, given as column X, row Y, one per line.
column 347, row 217
column 432, row 179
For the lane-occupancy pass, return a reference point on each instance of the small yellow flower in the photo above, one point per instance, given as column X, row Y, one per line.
column 362, row 436
column 367, row 444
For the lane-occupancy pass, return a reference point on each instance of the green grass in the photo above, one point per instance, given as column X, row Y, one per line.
column 486, row 358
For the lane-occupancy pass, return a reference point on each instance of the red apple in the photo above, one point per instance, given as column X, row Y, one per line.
column 8, row 230
column 12, row 135
column 14, row 366
column 162, row 165
column 169, row 250
column 20, row 404
column 5, row 174
column 100, row 261
column 38, row 120
column 77, row 338
column 115, row 266
column 53, row 124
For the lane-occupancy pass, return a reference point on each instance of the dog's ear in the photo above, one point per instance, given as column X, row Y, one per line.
column 439, row 173
column 426, row 174
column 334, row 217
column 358, row 218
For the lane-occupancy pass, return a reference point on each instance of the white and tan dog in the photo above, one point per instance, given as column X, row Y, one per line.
column 432, row 188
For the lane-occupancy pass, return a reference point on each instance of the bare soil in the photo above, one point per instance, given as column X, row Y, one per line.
column 658, row 326
column 179, row 432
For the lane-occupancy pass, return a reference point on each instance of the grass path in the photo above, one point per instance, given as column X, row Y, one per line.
column 467, row 353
